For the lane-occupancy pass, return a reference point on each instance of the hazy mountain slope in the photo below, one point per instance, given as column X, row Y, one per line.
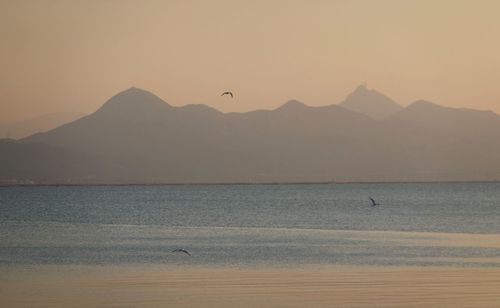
column 371, row 103
column 24, row 163
column 196, row 143
column 463, row 142
column 155, row 142
column 459, row 122
column 42, row 123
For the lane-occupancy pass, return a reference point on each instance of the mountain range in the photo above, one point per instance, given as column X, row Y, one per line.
column 136, row 137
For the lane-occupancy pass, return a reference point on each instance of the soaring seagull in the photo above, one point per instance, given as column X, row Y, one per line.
column 227, row 93
column 373, row 202
column 182, row 250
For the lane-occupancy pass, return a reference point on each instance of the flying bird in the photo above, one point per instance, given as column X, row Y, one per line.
column 374, row 203
column 182, row 250
column 227, row 93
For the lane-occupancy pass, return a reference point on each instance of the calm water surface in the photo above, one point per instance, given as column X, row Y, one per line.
column 249, row 225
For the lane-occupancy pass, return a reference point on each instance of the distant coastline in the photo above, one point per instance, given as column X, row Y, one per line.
column 242, row 183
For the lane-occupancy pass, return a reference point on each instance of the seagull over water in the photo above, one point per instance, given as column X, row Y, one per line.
column 182, row 250
column 374, row 203
column 227, row 93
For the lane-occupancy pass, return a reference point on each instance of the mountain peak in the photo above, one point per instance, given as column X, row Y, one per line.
column 134, row 99
column 292, row 105
column 370, row 102
column 361, row 88
column 422, row 102
column 134, row 93
column 132, row 88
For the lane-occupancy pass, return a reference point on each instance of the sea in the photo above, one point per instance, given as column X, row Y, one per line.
column 278, row 225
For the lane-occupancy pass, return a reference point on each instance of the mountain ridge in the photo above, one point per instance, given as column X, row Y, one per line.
column 142, row 139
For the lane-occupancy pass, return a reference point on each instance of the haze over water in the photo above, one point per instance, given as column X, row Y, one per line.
column 252, row 225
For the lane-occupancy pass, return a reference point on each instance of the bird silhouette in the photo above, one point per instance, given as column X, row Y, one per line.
column 182, row 250
column 374, row 203
column 227, row 93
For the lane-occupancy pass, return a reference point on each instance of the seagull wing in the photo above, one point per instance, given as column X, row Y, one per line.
column 182, row 250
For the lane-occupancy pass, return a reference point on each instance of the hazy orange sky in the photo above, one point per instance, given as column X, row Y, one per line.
column 73, row 55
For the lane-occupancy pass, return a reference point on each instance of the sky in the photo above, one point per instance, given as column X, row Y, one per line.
column 60, row 56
